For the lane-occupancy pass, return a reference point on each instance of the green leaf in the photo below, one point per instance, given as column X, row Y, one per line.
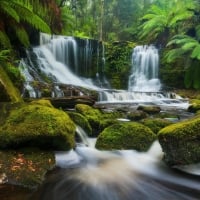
column 196, row 52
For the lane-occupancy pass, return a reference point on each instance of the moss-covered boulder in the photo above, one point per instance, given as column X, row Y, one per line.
column 155, row 124
column 81, row 121
column 149, row 109
column 97, row 119
column 181, row 142
column 127, row 135
column 37, row 125
column 194, row 105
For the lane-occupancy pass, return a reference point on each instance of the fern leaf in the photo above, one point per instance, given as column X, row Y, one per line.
column 4, row 40
column 9, row 11
column 21, row 34
column 196, row 52
column 189, row 46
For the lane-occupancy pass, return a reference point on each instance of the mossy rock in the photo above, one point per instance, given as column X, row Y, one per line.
column 81, row 121
column 38, row 126
column 127, row 135
column 8, row 91
column 149, row 109
column 195, row 105
column 97, row 119
column 180, row 142
column 137, row 115
column 156, row 124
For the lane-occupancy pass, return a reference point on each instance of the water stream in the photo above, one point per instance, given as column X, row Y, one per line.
column 88, row 174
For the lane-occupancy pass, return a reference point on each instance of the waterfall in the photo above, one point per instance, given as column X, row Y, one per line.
column 61, row 59
column 145, row 62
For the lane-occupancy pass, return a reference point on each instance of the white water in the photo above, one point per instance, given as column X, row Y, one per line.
column 145, row 65
column 53, row 58
column 89, row 174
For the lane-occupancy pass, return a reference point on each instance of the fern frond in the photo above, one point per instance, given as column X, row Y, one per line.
column 33, row 19
column 196, row 52
column 4, row 40
column 4, row 55
column 174, row 54
column 21, row 34
column 9, row 11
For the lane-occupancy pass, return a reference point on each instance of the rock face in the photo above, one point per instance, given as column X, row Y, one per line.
column 181, row 142
column 127, row 135
column 37, row 124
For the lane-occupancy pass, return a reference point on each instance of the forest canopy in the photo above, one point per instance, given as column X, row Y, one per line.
column 173, row 26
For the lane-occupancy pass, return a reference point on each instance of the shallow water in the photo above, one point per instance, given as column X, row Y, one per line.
column 89, row 174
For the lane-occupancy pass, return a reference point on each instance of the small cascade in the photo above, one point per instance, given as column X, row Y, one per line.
column 144, row 77
column 85, row 140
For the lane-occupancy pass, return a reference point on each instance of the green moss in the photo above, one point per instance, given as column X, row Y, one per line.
column 180, row 142
column 81, row 121
column 195, row 105
column 97, row 119
column 128, row 135
column 155, row 124
column 37, row 125
column 10, row 89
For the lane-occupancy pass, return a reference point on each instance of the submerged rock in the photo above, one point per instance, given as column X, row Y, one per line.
column 37, row 124
column 127, row 135
column 180, row 142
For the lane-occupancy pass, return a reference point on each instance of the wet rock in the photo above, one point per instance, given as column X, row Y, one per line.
column 37, row 124
column 127, row 135
column 180, row 142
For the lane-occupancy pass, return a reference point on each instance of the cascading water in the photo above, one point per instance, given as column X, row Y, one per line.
column 88, row 174
column 144, row 85
column 68, row 60
column 61, row 59
column 144, row 77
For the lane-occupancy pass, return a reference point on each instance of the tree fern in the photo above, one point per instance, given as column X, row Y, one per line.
column 7, row 9
column 4, row 40
column 166, row 21
column 13, row 14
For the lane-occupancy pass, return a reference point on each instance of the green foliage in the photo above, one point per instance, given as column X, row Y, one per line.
column 15, row 14
column 118, row 64
column 4, row 56
column 187, row 47
column 14, row 75
column 164, row 20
